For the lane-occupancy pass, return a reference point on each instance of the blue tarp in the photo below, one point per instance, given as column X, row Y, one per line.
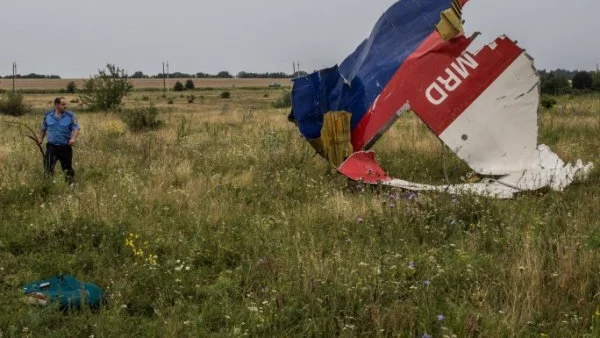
column 356, row 83
column 67, row 292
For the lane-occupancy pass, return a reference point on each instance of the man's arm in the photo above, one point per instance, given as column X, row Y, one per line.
column 41, row 136
column 74, row 137
column 43, row 129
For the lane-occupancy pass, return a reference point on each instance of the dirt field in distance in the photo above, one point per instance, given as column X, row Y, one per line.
column 142, row 83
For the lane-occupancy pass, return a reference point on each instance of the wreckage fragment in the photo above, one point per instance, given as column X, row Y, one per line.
column 482, row 105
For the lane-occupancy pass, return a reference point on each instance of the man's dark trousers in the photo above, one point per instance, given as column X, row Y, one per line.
column 62, row 153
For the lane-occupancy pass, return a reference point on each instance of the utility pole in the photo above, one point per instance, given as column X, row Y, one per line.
column 164, row 79
column 14, row 75
column 294, row 66
column 168, row 72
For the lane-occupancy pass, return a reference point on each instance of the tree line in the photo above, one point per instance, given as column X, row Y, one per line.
column 220, row 75
column 560, row 81
column 31, row 76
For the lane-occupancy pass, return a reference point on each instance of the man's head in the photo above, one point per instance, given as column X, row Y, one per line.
column 60, row 104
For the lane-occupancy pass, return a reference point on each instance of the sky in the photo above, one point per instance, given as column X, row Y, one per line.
column 75, row 38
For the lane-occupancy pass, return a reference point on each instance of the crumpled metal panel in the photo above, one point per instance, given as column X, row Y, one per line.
column 358, row 81
column 482, row 105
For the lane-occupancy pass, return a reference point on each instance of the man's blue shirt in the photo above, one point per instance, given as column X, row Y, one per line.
column 61, row 128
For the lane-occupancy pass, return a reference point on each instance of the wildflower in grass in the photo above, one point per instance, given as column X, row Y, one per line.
column 411, row 195
column 138, row 251
column 440, row 318
column 411, row 265
column 392, row 205
column 426, row 283
column 359, row 220
column 426, row 335
column 151, row 259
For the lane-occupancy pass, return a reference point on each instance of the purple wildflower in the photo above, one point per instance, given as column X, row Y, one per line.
column 441, row 318
column 426, row 335
column 426, row 282
column 411, row 265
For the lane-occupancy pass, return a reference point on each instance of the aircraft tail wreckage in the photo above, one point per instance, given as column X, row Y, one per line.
column 482, row 105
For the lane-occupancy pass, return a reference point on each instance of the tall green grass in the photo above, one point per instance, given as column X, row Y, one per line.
column 224, row 223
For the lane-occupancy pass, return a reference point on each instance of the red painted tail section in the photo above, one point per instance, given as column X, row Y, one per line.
column 439, row 81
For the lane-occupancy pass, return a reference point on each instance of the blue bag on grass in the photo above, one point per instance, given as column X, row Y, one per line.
column 65, row 290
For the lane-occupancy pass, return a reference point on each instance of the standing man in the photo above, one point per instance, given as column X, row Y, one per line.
column 63, row 129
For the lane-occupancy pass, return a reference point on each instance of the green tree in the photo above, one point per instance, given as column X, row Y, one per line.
column 554, row 84
column 583, row 81
column 107, row 89
column 224, row 74
column 138, row 75
column 596, row 81
column 71, row 87
column 189, row 84
column 178, row 87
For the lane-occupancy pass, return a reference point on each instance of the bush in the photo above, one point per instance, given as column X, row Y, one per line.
column 284, row 100
column 71, row 87
column 140, row 119
column 547, row 102
column 225, row 95
column 178, row 87
column 13, row 105
column 189, row 84
column 107, row 89
column 191, row 98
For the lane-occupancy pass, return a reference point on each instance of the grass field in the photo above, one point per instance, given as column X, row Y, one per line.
column 225, row 223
